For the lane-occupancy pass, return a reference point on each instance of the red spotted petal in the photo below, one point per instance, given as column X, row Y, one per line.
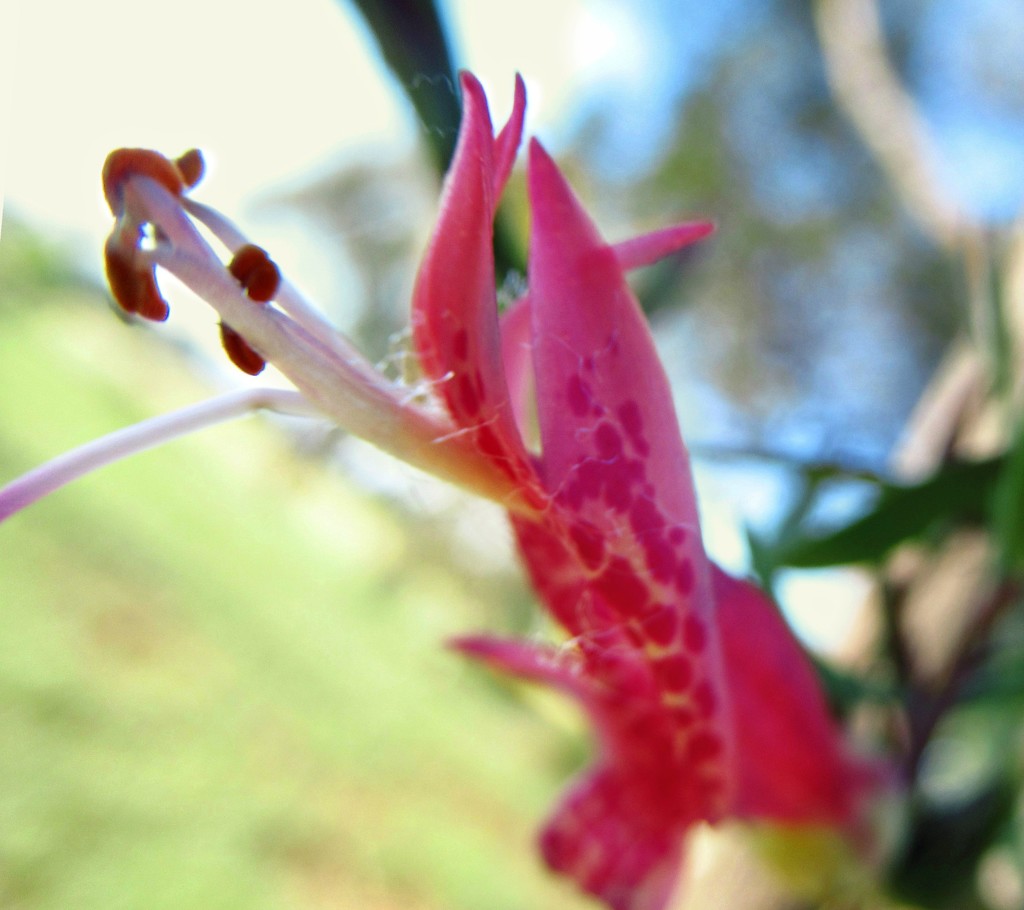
column 556, row 555
column 619, row 829
column 702, row 703
column 612, row 456
column 608, row 426
column 616, row 841
column 455, row 315
column 516, row 341
column 612, row 452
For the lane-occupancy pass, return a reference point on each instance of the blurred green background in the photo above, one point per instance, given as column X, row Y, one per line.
column 221, row 680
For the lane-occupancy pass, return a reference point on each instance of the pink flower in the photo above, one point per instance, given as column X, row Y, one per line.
column 703, row 704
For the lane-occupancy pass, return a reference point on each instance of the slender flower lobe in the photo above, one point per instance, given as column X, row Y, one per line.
column 454, row 315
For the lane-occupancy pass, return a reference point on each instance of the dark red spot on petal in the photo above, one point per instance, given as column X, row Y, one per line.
column 704, row 699
column 661, row 626
column 676, row 535
column 632, row 422
column 695, row 636
column 572, row 495
column 682, row 717
column 589, row 544
column 648, row 734
column 618, row 488
column 607, row 441
column 660, row 558
column 579, row 395
column 645, row 517
column 631, row 418
column 619, row 585
column 674, row 672
column 684, row 577
column 633, row 468
column 589, row 477
column 704, row 747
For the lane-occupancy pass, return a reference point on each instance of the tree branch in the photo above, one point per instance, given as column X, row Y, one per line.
column 868, row 90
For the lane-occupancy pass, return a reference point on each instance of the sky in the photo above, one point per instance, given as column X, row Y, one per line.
column 269, row 97
column 279, row 94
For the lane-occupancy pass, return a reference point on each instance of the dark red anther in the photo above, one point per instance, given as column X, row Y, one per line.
column 239, row 351
column 124, row 163
column 191, row 167
column 255, row 272
column 134, row 289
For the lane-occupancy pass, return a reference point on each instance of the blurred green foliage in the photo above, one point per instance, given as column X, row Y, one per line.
column 959, row 493
column 413, row 43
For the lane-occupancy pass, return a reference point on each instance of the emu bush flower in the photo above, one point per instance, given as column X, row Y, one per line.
column 703, row 705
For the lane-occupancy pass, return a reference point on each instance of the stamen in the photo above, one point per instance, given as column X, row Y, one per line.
column 287, row 297
column 324, row 364
column 153, row 432
column 256, row 272
column 239, row 351
column 129, row 271
column 124, row 163
column 133, row 287
column 191, row 167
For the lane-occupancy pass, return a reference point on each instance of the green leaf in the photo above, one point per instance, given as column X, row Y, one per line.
column 1008, row 508
column 845, row 690
column 998, row 681
column 412, row 42
column 411, row 37
column 960, row 491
